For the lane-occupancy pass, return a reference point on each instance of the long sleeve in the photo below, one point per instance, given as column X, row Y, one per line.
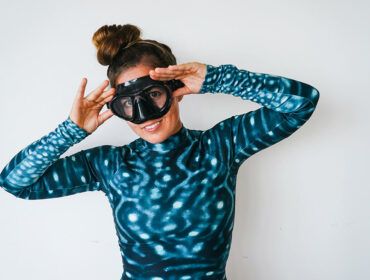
column 37, row 172
column 287, row 105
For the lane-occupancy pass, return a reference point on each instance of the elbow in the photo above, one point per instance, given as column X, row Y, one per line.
column 303, row 113
column 314, row 99
column 16, row 191
column 315, row 96
column 311, row 93
column 311, row 96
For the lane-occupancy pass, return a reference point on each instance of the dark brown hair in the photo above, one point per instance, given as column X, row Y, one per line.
column 110, row 41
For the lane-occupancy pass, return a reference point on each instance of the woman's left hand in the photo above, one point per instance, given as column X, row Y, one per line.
column 192, row 75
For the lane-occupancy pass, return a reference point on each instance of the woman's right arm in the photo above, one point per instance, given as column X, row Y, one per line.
column 38, row 172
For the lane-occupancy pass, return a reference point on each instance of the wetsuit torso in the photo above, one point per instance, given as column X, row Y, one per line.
column 173, row 202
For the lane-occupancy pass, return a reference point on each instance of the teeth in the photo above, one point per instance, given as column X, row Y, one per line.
column 153, row 125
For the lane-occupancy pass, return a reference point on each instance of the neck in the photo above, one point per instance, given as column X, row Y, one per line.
column 179, row 138
column 178, row 127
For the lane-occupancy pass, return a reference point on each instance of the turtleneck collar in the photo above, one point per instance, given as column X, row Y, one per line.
column 174, row 141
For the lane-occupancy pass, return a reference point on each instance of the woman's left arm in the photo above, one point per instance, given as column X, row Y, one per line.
column 287, row 105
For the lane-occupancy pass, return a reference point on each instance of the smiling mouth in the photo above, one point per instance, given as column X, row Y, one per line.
column 152, row 126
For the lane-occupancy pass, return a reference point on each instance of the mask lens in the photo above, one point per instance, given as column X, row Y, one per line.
column 123, row 106
column 158, row 96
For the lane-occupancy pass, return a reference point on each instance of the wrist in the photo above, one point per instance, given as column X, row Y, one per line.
column 211, row 79
column 76, row 132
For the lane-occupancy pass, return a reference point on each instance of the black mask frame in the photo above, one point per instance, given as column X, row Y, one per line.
column 143, row 108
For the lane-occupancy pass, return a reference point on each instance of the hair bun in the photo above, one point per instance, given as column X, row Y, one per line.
column 109, row 39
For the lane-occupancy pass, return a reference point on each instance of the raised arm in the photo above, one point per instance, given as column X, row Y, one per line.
column 287, row 105
column 37, row 172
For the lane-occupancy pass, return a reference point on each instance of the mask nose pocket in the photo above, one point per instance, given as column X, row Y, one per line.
column 142, row 108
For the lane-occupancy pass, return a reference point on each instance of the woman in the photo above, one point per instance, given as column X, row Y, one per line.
column 172, row 190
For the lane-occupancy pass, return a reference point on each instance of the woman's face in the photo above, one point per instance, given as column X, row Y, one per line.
column 169, row 124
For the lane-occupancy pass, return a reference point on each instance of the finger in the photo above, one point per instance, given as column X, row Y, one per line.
column 106, row 100
column 168, row 71
column 155, row 76
column 162, row 74
column 180, row 77
column 173, row 67
column 98, row 91
column 180, row 91
column 167, row 75
column 81, row 89
column 104, row 116
column 163, row 78
column 98, row 105
column 107, row 93
column 184, row 66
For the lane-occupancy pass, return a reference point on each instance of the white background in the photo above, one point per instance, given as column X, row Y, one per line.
column 302, row 205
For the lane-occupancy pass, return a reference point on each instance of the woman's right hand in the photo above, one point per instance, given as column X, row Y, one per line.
column 85, row 110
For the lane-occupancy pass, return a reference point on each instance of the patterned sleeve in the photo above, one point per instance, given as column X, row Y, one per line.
column 287, row 105
column 37, row 172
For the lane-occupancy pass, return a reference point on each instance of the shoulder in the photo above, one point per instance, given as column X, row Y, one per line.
column 221, row 129
column 104, row 150
column 106, row 153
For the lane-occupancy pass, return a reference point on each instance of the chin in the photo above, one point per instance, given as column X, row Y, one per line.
column 158, row 135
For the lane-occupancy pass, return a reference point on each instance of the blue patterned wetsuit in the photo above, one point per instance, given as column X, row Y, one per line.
column 173, row 202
